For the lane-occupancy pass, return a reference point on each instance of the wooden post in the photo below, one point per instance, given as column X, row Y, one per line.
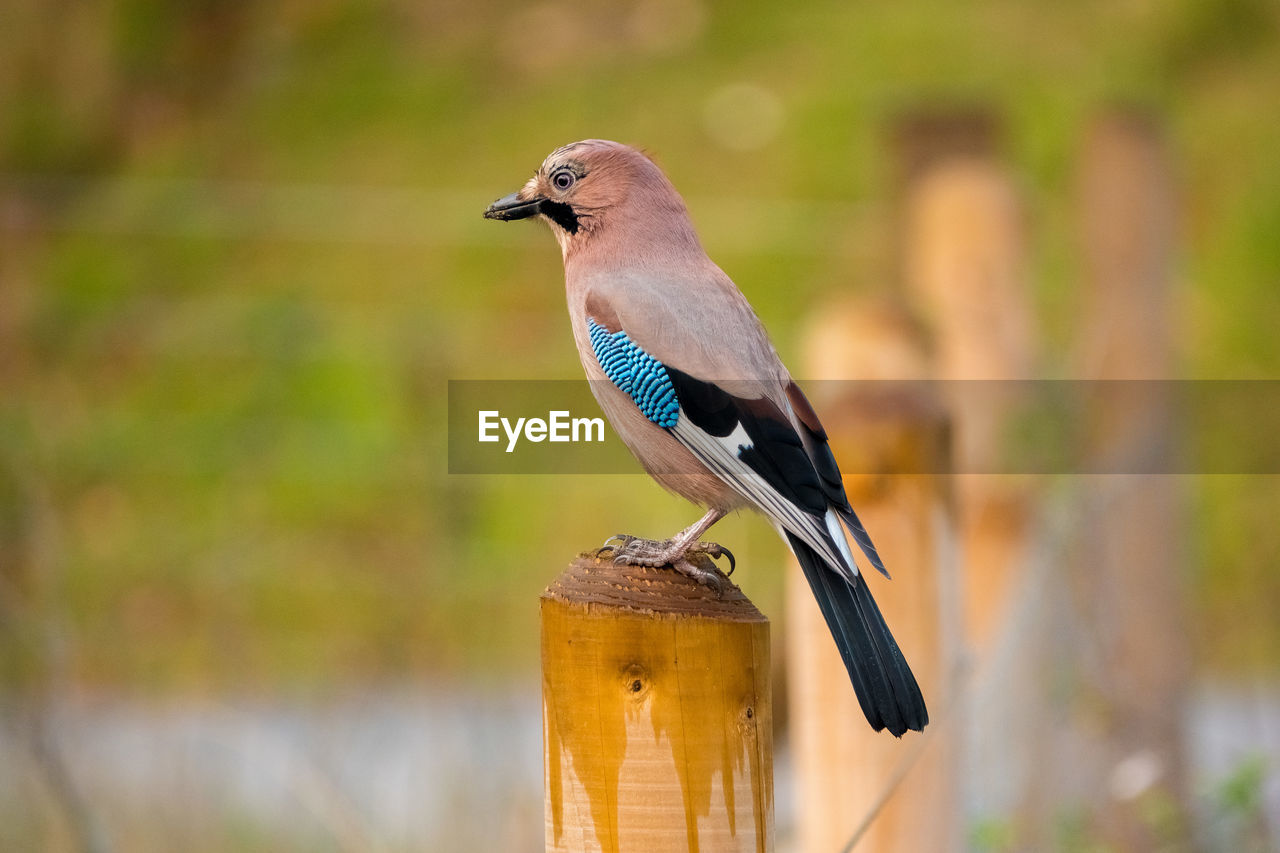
column 657, row 713
column 1128, row 582
column 964, row 252
column 965, row 258
column 843, row 768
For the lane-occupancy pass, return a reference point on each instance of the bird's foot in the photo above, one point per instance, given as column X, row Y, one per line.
column 634, row 551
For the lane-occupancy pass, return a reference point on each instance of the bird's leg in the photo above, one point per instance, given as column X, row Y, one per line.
column 634, row 551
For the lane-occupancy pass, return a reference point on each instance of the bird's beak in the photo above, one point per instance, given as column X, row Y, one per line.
column 514, row 207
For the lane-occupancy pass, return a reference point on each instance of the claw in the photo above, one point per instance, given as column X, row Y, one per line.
column 716, row 551
column 733, row 564
column 703, row 576
column 624, row 538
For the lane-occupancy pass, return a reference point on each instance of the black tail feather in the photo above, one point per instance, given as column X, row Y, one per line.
column 886, row 689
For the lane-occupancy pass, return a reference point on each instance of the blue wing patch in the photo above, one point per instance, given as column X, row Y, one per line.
column 641, row 376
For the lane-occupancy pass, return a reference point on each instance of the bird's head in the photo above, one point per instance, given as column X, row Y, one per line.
column 583, row 188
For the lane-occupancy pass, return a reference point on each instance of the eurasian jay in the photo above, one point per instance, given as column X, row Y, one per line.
column 688, row 378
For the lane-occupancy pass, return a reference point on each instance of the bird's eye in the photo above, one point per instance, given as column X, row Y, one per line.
column 563, row 180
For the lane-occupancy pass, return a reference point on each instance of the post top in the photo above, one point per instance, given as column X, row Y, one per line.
column 598, row 582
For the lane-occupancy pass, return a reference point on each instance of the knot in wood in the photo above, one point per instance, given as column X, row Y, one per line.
column 636, row 681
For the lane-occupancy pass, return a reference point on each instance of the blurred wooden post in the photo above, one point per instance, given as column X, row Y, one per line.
column 964, row 251
column 964, row 265
column 657, row 713
column 1129, row 579
column 843, row 768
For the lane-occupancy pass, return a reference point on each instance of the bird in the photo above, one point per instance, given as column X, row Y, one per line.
column 687, row 376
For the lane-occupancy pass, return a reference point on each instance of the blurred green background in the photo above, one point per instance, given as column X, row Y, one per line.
column 241, row 254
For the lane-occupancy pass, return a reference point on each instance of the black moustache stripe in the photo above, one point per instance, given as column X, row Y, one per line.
column 561, row 214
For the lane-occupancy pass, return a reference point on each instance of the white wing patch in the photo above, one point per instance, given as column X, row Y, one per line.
column 734, row 441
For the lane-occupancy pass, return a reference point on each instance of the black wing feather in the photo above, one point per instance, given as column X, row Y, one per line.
column 776, row 451
column 824, row 462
